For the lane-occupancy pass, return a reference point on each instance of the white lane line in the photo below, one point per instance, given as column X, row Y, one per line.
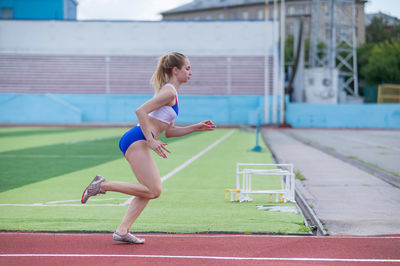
column 128, row 201
column 191, row 160
column 221, row 235
column 204, row 257
column 197, row 156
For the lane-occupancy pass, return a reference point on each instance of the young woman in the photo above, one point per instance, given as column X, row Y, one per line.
column 155, row 116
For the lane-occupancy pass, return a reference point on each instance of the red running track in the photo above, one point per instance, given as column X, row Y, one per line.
column 202, row 249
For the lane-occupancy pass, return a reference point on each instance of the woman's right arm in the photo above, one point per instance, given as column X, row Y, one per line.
column 142, row 113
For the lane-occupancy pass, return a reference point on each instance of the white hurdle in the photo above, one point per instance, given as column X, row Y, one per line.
column 246, row 171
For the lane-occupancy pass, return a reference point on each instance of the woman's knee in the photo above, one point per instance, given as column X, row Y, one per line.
column 156, row 192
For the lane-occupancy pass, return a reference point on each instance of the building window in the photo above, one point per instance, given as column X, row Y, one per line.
column 245, row 15
column 221, row 16
column 271, row 11
column 196, row 18
column 235, row 15
column 300, row 10
column 307, row 9
column 6, row 13
column 260, row 14
column 290, row 10
column 208, row 17
column 325, row 9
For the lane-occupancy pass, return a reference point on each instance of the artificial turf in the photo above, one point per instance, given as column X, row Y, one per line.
column 51, row 166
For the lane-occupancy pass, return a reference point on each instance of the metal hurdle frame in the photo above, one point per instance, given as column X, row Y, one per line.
column 242, row 193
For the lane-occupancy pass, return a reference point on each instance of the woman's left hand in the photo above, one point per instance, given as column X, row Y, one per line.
column 205, row 125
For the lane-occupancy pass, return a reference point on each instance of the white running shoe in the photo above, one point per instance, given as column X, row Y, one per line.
column 93, row 189
column 127, row 239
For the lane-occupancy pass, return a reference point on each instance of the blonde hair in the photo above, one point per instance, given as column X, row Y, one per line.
column 164, row 69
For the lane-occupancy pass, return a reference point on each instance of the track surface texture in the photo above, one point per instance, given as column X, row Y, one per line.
column 201, row 249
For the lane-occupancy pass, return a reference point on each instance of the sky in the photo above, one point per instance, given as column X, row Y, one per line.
column 150, row 9
column 125, row 9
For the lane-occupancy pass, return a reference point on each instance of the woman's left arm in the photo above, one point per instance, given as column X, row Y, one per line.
column 174, row 131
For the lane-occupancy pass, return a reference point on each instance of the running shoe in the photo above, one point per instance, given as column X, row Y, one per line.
column 127, row 238
column 93, row 189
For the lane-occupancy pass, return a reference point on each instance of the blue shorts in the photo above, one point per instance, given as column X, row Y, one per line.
column 134, row 134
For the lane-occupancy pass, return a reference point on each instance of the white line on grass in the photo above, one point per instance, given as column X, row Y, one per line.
column 58, row 203
column 64, row 201
column 164, row 178
column 197, row 156
column 204, row 257
column 53, row 156
column 90, row 140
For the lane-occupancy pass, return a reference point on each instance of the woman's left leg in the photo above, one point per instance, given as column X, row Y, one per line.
column 132, row 213
column 145, row 169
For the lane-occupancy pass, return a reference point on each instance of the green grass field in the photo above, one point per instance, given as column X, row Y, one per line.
column 44, row 171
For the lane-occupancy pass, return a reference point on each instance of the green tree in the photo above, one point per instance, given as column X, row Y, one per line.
column 289, row 48
column 377, row 59
column 383, row 63
column 379, row 30
column 363, row 54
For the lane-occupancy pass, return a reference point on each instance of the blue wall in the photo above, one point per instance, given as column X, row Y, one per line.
column 37, row 108
column 77, row 108
column 343, row 115
column 40, row 9
column 222, row 109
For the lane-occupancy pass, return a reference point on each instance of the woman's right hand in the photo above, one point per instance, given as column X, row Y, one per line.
column 158, row 147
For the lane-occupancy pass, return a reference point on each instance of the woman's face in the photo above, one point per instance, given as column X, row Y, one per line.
column 185, row 72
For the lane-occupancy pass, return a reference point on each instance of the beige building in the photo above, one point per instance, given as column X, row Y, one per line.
column 256, row 10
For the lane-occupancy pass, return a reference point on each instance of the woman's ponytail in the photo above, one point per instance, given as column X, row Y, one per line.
column 164, row 69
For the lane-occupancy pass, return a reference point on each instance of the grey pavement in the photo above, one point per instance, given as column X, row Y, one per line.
column 376, row 147
column 345, row 198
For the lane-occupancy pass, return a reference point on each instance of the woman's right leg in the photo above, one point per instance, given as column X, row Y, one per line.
column 132, row 189
column 143, row 166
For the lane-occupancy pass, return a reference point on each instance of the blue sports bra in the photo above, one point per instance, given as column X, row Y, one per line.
column 167, row 113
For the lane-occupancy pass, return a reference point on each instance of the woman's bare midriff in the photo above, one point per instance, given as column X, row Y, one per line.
column 156, row 127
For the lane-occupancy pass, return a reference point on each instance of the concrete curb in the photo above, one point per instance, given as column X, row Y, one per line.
column 310, row 216
column 388, row 178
